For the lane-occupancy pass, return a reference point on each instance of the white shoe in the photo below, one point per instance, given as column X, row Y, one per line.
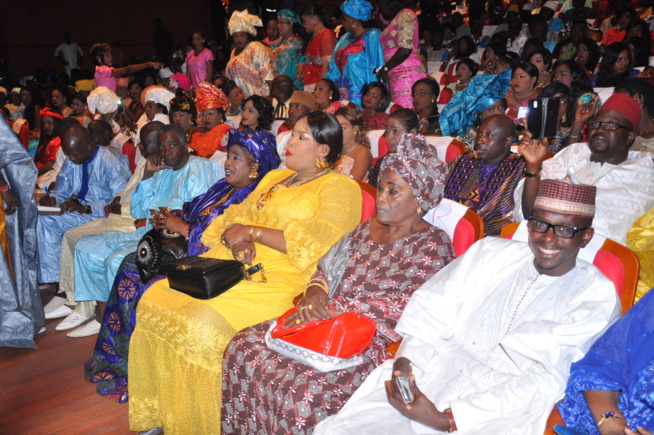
column 91, row 328
column 71, row 321
column 55, row 303
column 62, row 311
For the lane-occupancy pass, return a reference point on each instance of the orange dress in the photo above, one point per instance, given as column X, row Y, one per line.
column 206, row 144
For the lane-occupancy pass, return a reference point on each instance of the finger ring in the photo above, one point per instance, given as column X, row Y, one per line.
column 309, row 307
column 247, row 250
column 240, row 256
column 298, row 321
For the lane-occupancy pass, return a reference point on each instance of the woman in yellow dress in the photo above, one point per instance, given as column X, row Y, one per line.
column 287, row 223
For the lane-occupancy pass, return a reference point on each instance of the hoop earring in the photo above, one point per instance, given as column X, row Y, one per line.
column 321, row 163
column 253, row 175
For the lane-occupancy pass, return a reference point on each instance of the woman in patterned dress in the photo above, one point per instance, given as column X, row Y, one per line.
column 402, row 66
column 373, row 271
column 249, row 65
column 286, row 56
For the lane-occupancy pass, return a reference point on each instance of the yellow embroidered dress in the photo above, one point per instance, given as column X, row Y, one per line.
column 175, row 359
column 640, row 239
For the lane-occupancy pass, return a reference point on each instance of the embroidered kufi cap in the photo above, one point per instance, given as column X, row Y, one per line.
column 564, row 197
column 305, row 98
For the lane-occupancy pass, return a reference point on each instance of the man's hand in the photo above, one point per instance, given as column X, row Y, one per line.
column 421, row 409
column 72, row 204
column 11, row 201
column 113, row 207
column 47, row 201
column 153, row 164
column 533, row 151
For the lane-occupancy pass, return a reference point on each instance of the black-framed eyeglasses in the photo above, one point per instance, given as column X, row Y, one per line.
column 608, row 126
column 561, row 231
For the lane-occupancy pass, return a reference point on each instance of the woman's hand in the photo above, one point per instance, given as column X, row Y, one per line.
column 165, row 219
column 11, row 201
column 235, row 234
column 245, row 252
column 533, row 151
column 314, row 305
column 641, row 431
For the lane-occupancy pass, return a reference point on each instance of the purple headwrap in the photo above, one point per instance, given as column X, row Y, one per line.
column 418, row 164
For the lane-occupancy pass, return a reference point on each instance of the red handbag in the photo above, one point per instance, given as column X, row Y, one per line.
column 344, row 336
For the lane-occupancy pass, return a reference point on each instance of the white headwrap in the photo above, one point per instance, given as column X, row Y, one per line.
column 165, row 73
column 102, row 100
column 241, row 21
column 158, row 94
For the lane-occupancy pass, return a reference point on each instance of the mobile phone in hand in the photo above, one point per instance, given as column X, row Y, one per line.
column 402, row 383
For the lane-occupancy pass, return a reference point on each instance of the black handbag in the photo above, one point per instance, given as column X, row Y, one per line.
column 156, row 248
column 206, row 278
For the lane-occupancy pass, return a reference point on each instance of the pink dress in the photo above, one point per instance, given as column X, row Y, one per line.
column 402, row 32
column 104, row 78
column 197, row 65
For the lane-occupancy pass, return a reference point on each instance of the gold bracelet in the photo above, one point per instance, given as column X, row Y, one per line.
column 261, row 230
column 252, row 239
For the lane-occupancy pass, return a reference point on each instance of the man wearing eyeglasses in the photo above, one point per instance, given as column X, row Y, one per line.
column 488, row 341
column 624, row 178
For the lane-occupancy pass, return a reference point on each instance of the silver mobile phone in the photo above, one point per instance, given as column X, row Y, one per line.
column 402, row 383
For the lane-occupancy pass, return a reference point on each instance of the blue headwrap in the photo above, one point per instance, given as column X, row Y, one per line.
column 290, row 15
column 359, row 9
column 261, row 144
column 462, row 110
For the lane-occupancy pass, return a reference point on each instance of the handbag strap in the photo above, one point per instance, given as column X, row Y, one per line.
column 254, row 269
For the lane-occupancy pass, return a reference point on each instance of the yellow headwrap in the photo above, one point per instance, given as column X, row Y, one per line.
column 241, row 21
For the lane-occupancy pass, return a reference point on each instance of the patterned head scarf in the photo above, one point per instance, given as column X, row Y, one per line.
column 241, row 21
column 102, row 100
column 210, row 97
column 158, row 94
column 462, row 110
column 418, row 164
column 359, row 9
column 183, row 102
column 564, row 197
column 289, row 15
column 260, row 144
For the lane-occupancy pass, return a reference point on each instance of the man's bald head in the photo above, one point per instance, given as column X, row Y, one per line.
column 149, row 145
column 494, row 139
column 77, row 144
column 282, row 88
column 101, row 132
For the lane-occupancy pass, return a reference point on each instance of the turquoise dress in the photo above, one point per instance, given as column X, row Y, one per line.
column 353, row 63
column 98, row 257
column 286, row 57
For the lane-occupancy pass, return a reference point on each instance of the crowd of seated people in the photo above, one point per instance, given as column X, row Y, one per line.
column 265, row 150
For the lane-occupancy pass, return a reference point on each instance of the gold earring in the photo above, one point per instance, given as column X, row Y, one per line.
column 253, row 175
column 563, row 119
column 419, row 210
column 321, row 163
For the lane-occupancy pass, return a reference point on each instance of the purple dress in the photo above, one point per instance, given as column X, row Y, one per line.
column 265, row 392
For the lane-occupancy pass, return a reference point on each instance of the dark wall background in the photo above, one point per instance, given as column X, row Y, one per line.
column 30, row 30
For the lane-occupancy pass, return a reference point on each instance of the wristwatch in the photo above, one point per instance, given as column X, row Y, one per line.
column 528, row 174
